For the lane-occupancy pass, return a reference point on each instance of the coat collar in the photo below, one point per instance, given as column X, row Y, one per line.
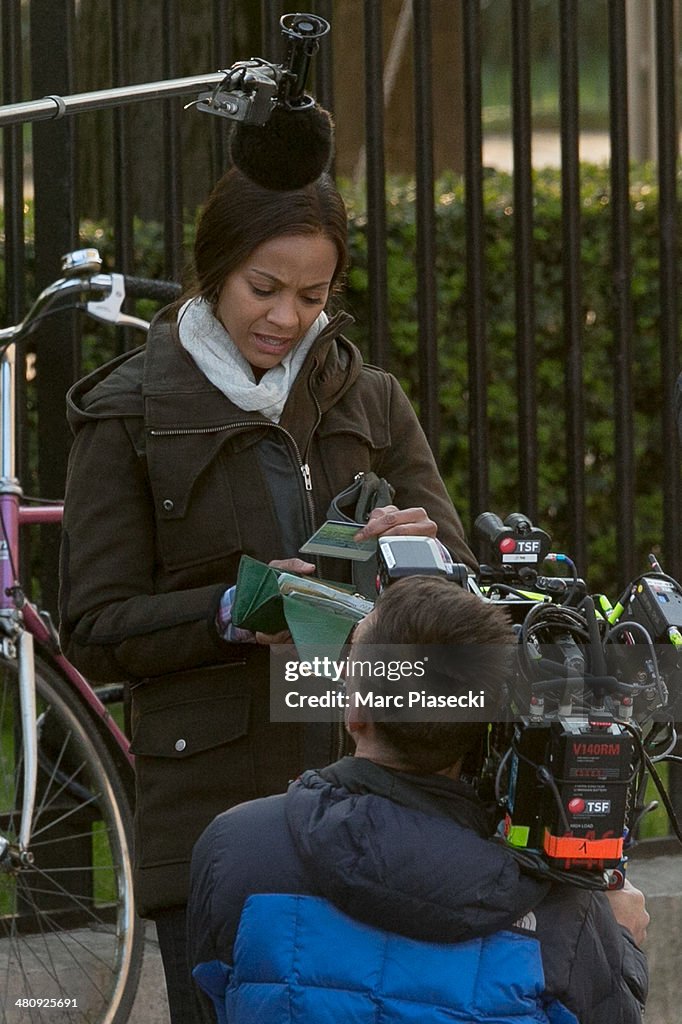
column 169, row 372
column 162, row 383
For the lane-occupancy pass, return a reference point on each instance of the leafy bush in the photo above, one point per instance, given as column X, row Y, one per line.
column 598, row 356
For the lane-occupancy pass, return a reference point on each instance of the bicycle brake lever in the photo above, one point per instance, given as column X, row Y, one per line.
column 108, row 309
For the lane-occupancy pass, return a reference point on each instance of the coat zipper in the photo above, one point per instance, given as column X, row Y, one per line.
column 302, row 464
column 339, row 742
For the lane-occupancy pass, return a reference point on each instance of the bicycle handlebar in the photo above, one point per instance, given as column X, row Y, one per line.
column 105, row 292
column 148, row 288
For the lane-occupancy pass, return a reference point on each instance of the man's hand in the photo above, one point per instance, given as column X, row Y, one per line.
column 629, row 910
column 394, row 522
column 287, row 565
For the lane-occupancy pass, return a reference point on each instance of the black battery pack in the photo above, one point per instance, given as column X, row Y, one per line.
column 569, row 791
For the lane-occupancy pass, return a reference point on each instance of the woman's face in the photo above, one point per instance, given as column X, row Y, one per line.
column 270, row 301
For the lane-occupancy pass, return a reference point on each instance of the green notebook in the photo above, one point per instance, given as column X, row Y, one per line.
column 315, row 612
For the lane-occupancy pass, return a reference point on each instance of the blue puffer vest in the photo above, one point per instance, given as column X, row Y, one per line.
column 299, row 960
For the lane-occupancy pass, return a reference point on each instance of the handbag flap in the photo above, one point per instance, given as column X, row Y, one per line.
column 354, row 504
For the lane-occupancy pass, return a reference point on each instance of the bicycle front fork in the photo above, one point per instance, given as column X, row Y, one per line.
column 19, row 648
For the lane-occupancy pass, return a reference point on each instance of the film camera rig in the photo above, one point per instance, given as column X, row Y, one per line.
column 591, row 701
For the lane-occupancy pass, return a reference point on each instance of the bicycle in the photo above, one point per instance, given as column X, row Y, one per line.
column 70, row 940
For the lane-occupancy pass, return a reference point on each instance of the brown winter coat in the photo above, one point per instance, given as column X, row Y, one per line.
column 169, row 484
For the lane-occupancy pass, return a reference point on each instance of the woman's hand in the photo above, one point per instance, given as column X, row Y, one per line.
column 286, row 565
column 293, row 565
column 274, row 638
column 394, row 522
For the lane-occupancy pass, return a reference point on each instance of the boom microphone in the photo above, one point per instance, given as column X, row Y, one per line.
column 291, row 150
column 283, row 139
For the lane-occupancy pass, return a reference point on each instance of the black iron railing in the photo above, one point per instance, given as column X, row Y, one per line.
column 33, row 65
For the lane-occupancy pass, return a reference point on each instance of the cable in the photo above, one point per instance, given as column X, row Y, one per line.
column 28, row 499
column 657, row 781
column 544, row 624
column 554, row 556
column 533, row 864
column 45, row 315
column 672, row 743
column 544, row 775
column 629, row 626
column 667, row 803
column 500, row 770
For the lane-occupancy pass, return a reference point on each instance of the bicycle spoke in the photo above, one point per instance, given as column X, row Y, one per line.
column 61, row 940
column 79, row 901
column 41, row 806
column 49, row 968
column 67, row 814
column 60, row 839
column 67, row 929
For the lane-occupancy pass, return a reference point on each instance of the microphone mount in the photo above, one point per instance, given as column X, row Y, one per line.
column 251, row 89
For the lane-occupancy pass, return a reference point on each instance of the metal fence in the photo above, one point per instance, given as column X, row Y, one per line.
column 39, row 48
column 58, row 178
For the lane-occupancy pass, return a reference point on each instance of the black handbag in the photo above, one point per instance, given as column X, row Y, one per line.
column 354, row 505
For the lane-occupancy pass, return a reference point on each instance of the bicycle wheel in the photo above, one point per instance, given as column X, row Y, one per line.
column 70, row 943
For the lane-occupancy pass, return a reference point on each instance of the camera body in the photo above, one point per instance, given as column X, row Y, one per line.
column 515, row 544
column 415, row 556
column 587, row 692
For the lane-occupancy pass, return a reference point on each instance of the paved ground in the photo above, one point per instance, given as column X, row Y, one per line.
column 150, row 1006
column 546, row 149
column 660, row 879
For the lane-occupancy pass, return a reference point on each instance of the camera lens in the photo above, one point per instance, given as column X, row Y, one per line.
column 518, row 522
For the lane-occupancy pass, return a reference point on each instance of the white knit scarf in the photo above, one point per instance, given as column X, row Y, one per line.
column 219, row 359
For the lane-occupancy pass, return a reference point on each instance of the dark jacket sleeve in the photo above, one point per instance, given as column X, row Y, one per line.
column 591, row 963
column 113, row 625
column 201, row 938
column 410, row 466
column 229, row 865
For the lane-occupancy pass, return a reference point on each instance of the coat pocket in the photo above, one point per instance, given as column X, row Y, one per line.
column 194, row 509
column 177, row 732
column 193, row 759
column 203, row 528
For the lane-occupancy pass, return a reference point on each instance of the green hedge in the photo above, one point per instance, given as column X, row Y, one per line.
column 550, row 350
column 502, row 402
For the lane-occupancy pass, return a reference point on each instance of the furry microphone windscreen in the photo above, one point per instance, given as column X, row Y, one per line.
column 291, row 150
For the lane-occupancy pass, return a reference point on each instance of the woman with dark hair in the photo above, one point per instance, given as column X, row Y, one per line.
column 246, row 412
